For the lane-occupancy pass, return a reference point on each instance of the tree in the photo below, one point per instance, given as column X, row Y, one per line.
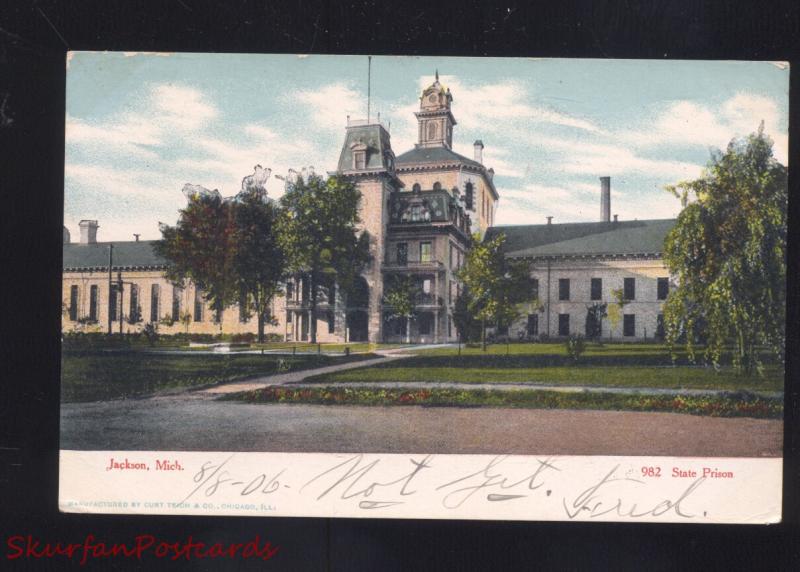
column 319, row 234
column 228, row 247
column 468, row 328
column 200, row 247
column 614, row 309
column 727, row 252
column 401, row 296
column 594, row 320
column 259, row 263
column 496, row 283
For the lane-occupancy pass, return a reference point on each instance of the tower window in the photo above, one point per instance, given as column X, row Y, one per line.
column 469, row 196
column 360, row 160
column 431, row 130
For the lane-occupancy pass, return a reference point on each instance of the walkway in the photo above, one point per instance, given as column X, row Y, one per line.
column 298, row 376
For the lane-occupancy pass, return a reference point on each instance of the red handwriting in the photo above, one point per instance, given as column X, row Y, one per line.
column 26, row 546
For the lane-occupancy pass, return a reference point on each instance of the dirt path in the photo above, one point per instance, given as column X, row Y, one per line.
column 203, row 424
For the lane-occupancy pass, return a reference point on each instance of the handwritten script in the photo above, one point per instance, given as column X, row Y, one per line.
column 378, row 484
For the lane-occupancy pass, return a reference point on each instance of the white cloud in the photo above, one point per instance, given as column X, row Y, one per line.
column 687, row 123
column 329, row 105
column 181, row 106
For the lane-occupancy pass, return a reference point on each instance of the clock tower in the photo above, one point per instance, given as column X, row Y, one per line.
column 434, row 116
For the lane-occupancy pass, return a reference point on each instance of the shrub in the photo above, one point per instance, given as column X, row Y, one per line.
column 150, row 331
column 575, row 346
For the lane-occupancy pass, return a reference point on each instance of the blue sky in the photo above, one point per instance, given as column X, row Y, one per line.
column 140, row 126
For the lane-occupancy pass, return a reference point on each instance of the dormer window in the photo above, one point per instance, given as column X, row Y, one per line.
column 359, row 156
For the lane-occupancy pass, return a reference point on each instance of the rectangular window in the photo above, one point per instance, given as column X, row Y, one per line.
column 533, row 325
column 453, row 258
column 424, row 251
column 199, row 304
column 93, row 303
column 629, row 290
column 244, row 311
column 113, row 302
column 331, row 322
column 134, row 314
column 426, row 286
column 663, row 288
column 563, row 288
column 563, row 324
column 289, row 290
column 176, row 303
column 629, row 325
column 154, row 300
column 502, row 329
column 597, row 289
column 332, row 294
column 73, row 303
column 402, row 253
column 360, row 159
column 534, row 288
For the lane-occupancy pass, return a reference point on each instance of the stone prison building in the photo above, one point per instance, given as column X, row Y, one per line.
column 420, row 207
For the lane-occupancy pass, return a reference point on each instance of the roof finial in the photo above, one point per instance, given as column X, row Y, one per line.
column 437, row 74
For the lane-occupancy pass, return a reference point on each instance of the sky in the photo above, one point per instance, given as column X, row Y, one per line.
column 141, row 125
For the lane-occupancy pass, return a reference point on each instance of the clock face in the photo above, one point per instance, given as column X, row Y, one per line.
column 433, row 98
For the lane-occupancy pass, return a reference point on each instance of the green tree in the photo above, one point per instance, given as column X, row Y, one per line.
column 200, row 247
column 319, row 234
column 258, row 264
column 496, row 284
column 400, row 296
column 727, row 252
column 468, row 328
column 614, row 309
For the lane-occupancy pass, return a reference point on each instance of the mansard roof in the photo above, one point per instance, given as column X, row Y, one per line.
column 623, row 238
column 376, row 140
column 433, row 155
column 128, row 255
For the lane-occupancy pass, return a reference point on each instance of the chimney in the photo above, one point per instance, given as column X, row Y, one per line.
column 549, row 220
column 605, row 199
column 67, row 237
column 478, row 146
column 88, row 231
column 136, row 236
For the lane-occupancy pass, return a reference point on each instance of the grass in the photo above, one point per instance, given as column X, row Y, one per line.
column 739, row 404
column 103, row 375
column 355, row 347
column 612, row 365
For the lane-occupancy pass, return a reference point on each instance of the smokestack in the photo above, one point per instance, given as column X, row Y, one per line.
column 549, row 220
column 605, row 199
column 478, row 146
column 88, row 231
column 67, row 237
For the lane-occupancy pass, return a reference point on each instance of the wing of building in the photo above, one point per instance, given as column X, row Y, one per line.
column 420, row 208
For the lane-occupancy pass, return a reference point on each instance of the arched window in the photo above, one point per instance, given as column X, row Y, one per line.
column 469, row 196
column 416, row 188
column 431, row 130
column 437, row 186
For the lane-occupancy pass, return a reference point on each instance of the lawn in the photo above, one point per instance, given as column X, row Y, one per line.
column 103, row 375
column 611, row 365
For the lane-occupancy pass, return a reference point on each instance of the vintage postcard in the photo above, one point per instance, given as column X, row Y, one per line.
column 424, row 287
